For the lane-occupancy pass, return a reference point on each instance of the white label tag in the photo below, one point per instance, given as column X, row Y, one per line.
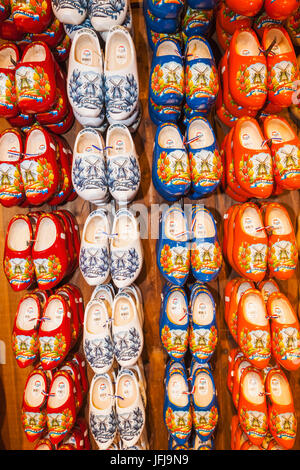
column 61, row 390
column 37, row 386
column 86, row 57
column 102, row 391
column 275, row 386
column 249, row 225
column 121, row 55
column 127, row 389
column 203, row 386
column 253, row 387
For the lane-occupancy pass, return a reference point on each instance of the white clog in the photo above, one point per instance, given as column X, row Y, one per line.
column 85, row 74
column 123, row 169
column 94, row 122
column 107, row 13
column 70, row 11
column 127, row 23
column 121, row 82
column 94, row 258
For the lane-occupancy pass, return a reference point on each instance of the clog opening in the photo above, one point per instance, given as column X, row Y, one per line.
column 35, row 53
column 268, row 288
column 203, row 393
column 119, row 142
column 250, row 136
column 203, row 226
column 46, row 234
column 279, row 221
column 167, row 48
column 282, row 311
column 87, row 143
column 7, row 57
column 120, row 52
column 101, row 394
column 197, row 50
column 251, row 221
column 175, row 226
column 9, row 147
column 127, row 389
column 19, row 235
column 203, row 309
column 96, row 318
column 278, row 129
column 247, row 44
column 169, row 138
column 243, row 287
column 126, row 231
column 96, row 230
column 53, row 315
column 176, row 390
column 176, row 308
column 242, row 366
column 253, row 389
column 203, row 132
column 42, row 447
column 33, row 392
column 280, row 390
column 35, row 144
column 106, row 299
column 27, row 313
column 282, row 45
column 87, row 51
column 123, row 312
column 59, row 392
column 255, row 310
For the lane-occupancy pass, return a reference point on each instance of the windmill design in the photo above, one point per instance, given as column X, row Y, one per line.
column 122, row 341
column 202, row 337
column 179, row 261
column 284, row 252
column 29, row 173
column 32, row 419
column 287, row 421
column 120, row 261
column 259, row 339
column 92, row 170
column 41, row 266
column 116, row 89
column 178, row 338
column 121, row 171
column 201, row 75
column 290, row 337
column 258, row 255
column 55, row 420
column 46, row 344
column 205, row 164
column 91, row 86
column 256, row 420
column 5, row 176
column 203, row 418
column 172, row 76
column 206, row 254
column 284, row 74
column 23, row 343
column 263, row 166
column 290, row 158
column 125, row 423
column 17, row 266
column 179, row 164
column 258, row 76
column 180, row 418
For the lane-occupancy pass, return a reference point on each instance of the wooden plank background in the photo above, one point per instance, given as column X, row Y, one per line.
column 12, row 378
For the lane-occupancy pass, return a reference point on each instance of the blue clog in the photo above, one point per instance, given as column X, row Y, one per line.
column 173, row 251
column 166, row 82
column 201, row 76
column 165, row 8
column 172, row 445
column 202, row 4
column 163, row 113
column 170, row 164
column 203, row 328
column 153, row 36
column 198, row 444
column 160, row 25
column 205, row 160
column 174, row 321
column 204, row 402
column 206, row 253
column 197, row 22
column 177, row 404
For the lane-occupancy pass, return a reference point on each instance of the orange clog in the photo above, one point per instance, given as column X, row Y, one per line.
column 240, row 438
column 247, row 70
column 235, row 196
column 285, row 149
column 281, row 411
column 230, row 21
column 249, row 8
column 231, row 238
column 229, row 168
column 239, row 366
column 252, row 158
column 249, row 446
column 283, row 250
column 285, row 331
column 233, row 428
column 253, row 329
column 282, row 65
column 239, row 288
column 267, row 287
column 223, row 37
column 234, row 353
column 226, row 218
column 252, row 410
column 280, row 9
column 250, row 243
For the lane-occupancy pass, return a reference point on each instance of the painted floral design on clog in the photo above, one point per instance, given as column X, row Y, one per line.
column 47, row 269
column 256, row 344
column 52, row 349
column 253, row 258
column 19, row 271
column 254, row 422
column 25, row 347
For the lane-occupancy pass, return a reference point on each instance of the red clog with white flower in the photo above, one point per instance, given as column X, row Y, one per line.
column 35, row 79
column 25, row 342
column 61, row 406
column 55, row 332
column 9, row 57
column 31, row 16
column 17, row 261
column 11, row 184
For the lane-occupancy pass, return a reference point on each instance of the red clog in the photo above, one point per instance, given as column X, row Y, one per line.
column 249, row 8
column 9, row 54
column 247, row 70
column 66, row 186
column 63, row 126
column 9, row 31
column 73, row 369
column 25, row 343
column 61, row 407
column 250, row 243
column 49, row 251
column 55, row 332
column 69, row 241
column 61, row 52
column 61, row 105
column 11, row 184
column 233, row 426
column 233, row 354
column 239, row 366
column 78, row 299
column 4, row 9
column 252, row 409
column 285, row 330
column 35, row 79
column 79, row 360
column 40, row 171
column 281, row 410
column 74, row 228
column 282, row 65
column 67, row 294
column 267, row 287
column 223, row 37
column 238, row 289
column 44, row 444
column 254, row 329
column 285, row 148
column 252, row 159
column 17, row 260
column 230, row 237
column 280, row 9
column 230, row 21
column 42, row 296
column 52, row 36
column 227, row 296
column 31, row 16
column 283, row 250
column 229, row 168
column 241, row 439
column 22, row 120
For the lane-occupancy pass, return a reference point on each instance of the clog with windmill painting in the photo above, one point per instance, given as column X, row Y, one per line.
column 231, row 178
column 9, row 57
column 239, row 365
column 206, row 253
column 11, row 183
column 238, row 289
column 253, row 330
column 285, row 331
column 283, row 251
column 31, row 17
column 170, row 166
column 173, row 254
column 285, row 149
column 247, row 70
column 230, row 21
column 251, row 247
column 267, row 287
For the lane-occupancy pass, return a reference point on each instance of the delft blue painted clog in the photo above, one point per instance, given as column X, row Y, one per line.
column 203, row 336
column 166, row 83
column 160, row 25
column 202, row 4
column 204, row 402
column 197, row 22
column 205, row 160
column 206, row 253
column 170, row 164
column 201, row 76
column 174, row 321
column 177, row 404
column 173, row 253
column 165, row 8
